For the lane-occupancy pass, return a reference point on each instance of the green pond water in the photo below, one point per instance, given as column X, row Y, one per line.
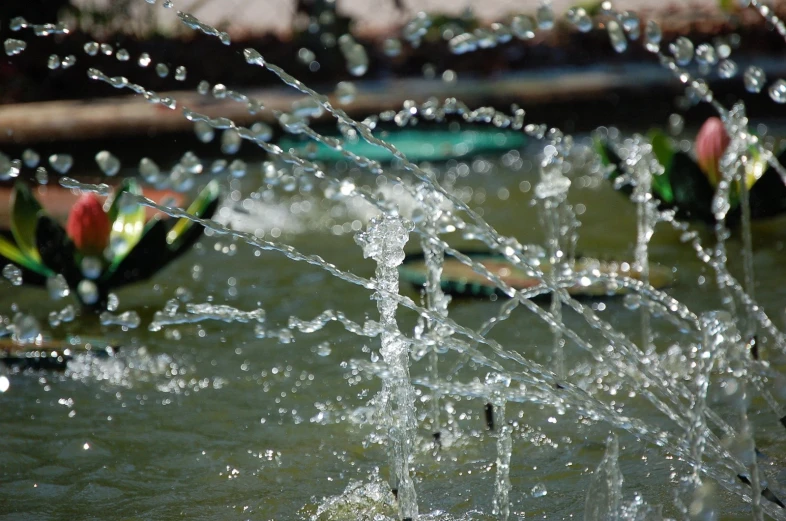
column 207, row 421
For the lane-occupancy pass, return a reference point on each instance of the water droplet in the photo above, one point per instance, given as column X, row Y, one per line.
column 416, row 28
column 17, row 23
column 91, row 48
column 204, row 132
column 14, row 47
column 106, row 49
column 306, row 56
column 323, row 349
column 30, row 158
column 676, row 124
column 617, row 36
column 162, row 70
column 122, row 55
column 578, row 17
column 463, row 43
column 755, row 78
column 727, row 69
column 149, row 171
column 292, row 123
column 778, row 91
column 8, row 169
column 237, row 168
column 91, row 267
column 545, row 16
column 230, row 141
column 219, row 91
column 108, row 163
column 53, row 62
column 129, row 319
column 539, row 490
column 307, row 108
column 26, row 328
column 632, row 301
column 57, row 287
column 112, row 302
column 392, row 47
column 346, row 92
column 13, row 274
column 41, row 175
column 191, row 163
column 356, row 57
column 652, row 35
column 262, row 131
column 62, row 163
column 682, row 50
column 523, row 27
column 180, row 73
column 87, row 291
column 253, row 57
column 631, row 23
column 722, row 47
column 68, row 61
column 705, row 54
column 144, row 60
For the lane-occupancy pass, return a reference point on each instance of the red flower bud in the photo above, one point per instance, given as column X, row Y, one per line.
column 711, row 143
column 89, row 226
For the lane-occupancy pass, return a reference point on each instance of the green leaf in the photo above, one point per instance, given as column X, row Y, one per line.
column 661, row 147
column 128, row 185
column 209, row 194
column 600, row 148
column 24, row 215
column 664, row 153
column 145, row 236
column 128, row 223
column 15, row 255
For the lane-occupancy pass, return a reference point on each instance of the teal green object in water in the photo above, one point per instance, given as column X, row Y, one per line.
column 417, row 144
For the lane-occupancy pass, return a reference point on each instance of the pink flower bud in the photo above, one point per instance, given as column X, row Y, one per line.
column 89, row 226
column 711, row 143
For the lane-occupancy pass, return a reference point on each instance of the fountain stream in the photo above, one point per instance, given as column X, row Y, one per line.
column 683, row 387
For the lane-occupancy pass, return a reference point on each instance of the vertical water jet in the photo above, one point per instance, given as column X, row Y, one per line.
column 384, row 242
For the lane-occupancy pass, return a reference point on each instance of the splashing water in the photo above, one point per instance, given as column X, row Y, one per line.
column 679, row 382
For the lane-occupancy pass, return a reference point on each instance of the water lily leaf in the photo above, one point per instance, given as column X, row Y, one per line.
column 149, row 255
column 207, row 198
column 10, row 252
column 128, row 222
column 24, row 215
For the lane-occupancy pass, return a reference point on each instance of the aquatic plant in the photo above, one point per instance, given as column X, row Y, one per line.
column 688, row 186
column 103, row 246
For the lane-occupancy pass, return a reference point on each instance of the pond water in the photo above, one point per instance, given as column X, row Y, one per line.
column 208, row 421
column 258, row 382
